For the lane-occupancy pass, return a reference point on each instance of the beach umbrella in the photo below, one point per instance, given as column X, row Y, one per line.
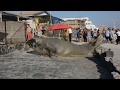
column 58, row 26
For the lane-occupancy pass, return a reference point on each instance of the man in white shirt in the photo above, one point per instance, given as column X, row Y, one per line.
column 107, row 34
column 118, row 36
column 70, row 34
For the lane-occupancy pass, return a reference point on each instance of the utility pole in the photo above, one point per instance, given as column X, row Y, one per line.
column 114, row 22
column 0, row 16
column 5, row 33
column 114, row 25
column 50, row 18
column 21, row 14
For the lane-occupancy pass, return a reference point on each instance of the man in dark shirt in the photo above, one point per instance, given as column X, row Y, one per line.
column 43, row 30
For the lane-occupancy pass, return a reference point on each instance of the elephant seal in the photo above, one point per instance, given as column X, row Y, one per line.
column 54, row 46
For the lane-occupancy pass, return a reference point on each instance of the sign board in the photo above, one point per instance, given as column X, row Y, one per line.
column 37, row 20
column 56, row 20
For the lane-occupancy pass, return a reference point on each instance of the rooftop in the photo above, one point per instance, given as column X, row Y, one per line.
column 28, row 13
column 84, row 18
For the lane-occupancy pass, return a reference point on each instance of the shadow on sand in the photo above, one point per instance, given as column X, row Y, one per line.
column 105, row 73
column 104, row 68
column 33, row 52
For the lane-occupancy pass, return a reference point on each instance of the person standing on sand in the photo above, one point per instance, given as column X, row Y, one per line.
column 70, row 34
column 89, row 36
column 75, row 34
column 85, row 35
column 98, row 33
column 39, row 32
column 65, row 35
column 95, row 33
column 29, row 32
column 79, row 35
column 107, row 35
column 118, row 36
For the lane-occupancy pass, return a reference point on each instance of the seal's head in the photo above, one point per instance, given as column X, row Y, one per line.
column 31, row 42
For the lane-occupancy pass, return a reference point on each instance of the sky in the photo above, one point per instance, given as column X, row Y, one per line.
column 99, row 18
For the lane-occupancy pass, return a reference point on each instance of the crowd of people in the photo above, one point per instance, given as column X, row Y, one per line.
column 40, row 31
column 81, row 35
column 110, row 35
column 84, row 35
column 30, row 32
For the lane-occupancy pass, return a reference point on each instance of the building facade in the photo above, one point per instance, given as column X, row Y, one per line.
column 79, row 23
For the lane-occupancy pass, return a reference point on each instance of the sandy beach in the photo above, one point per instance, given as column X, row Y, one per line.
column 29, row 65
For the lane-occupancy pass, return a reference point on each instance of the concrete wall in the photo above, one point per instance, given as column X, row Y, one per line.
column 15, row 32
column 2, row 31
